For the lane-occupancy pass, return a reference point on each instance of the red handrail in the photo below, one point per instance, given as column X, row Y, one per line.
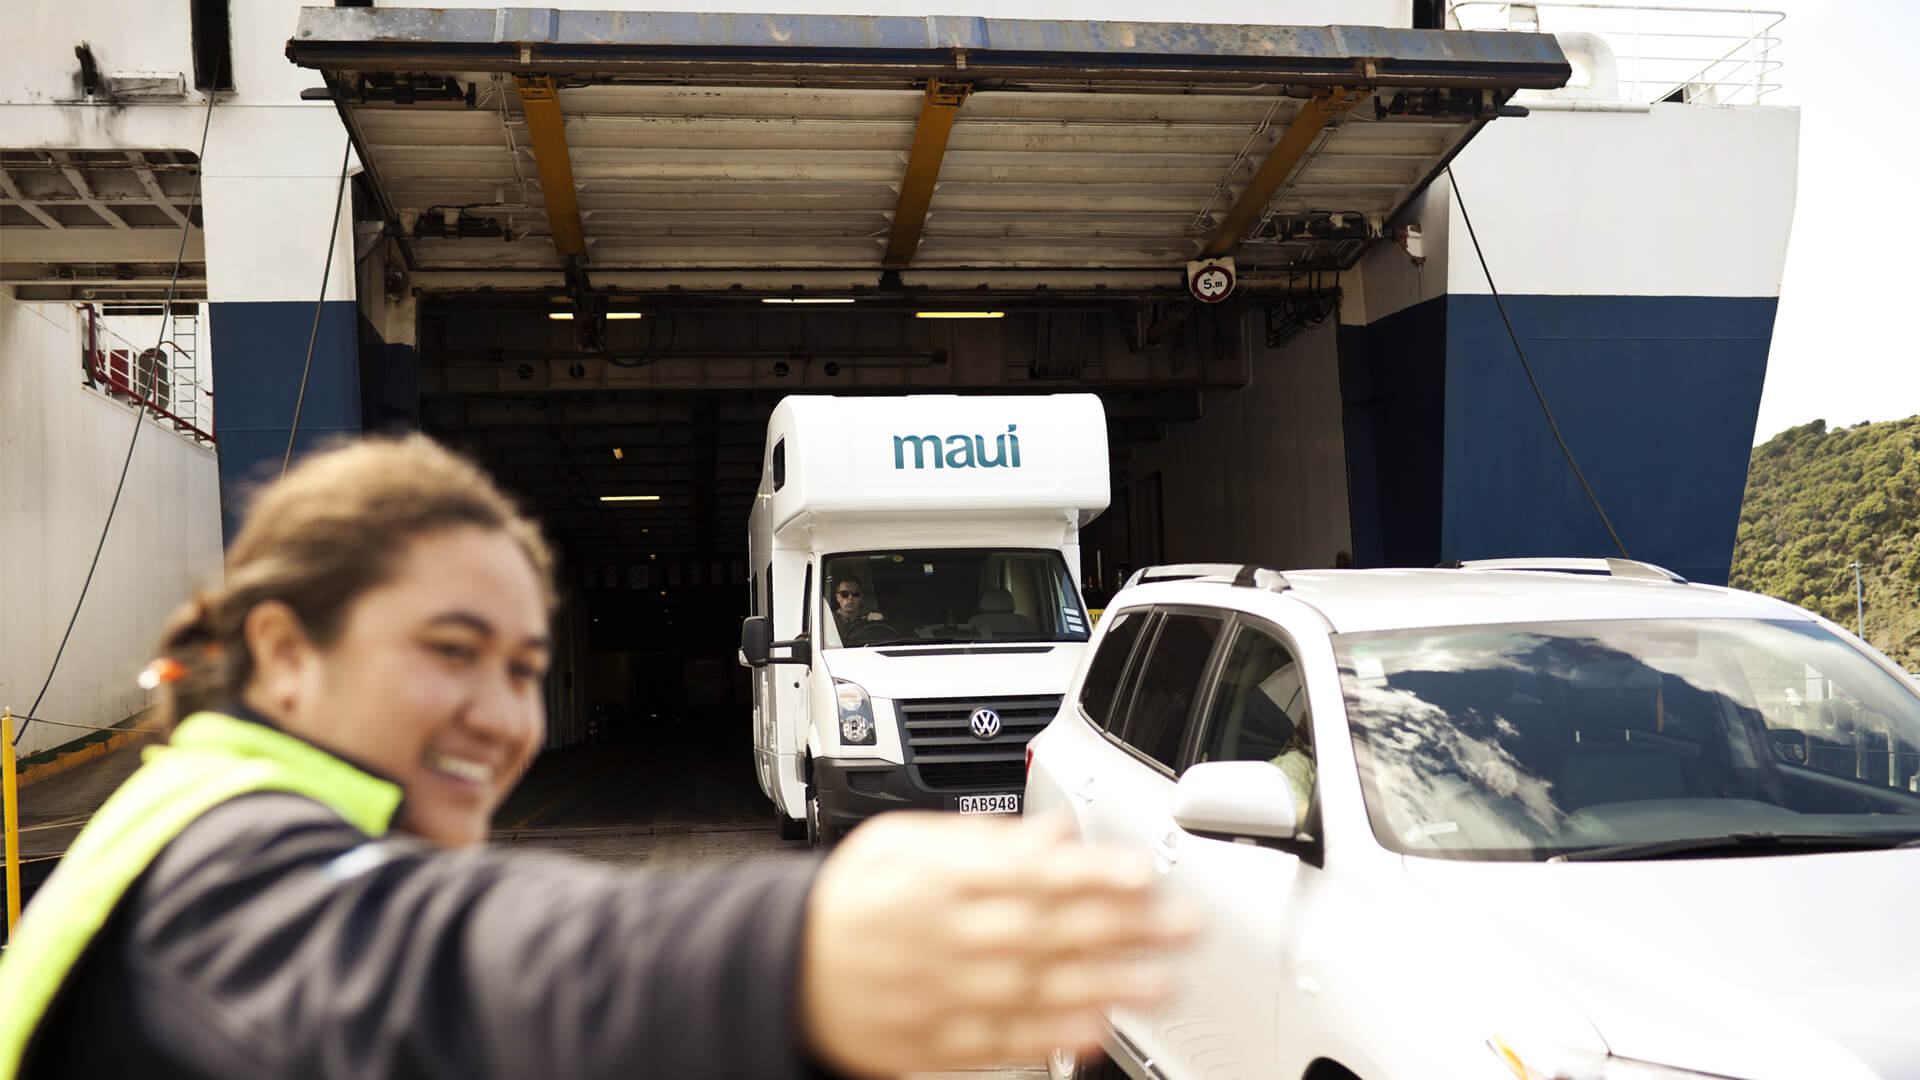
column 115, row 368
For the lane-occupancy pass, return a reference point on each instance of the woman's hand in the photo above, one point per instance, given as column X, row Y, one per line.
column 935, row 941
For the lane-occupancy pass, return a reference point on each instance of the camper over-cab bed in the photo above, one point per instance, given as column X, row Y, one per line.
column 936, row 455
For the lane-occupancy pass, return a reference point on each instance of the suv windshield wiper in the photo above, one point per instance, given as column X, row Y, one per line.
column 1737, row 844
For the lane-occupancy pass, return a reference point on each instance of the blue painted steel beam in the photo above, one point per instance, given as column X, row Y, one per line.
column 854, row 46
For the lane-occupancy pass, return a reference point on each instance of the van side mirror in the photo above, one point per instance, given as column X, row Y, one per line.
column 757, row 644
column 1232, row 800
column 756, row 639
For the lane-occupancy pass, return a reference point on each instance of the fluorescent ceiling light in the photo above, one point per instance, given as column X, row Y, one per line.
column 626, row 315
column 959, row 314
column 560, row 315
column 629, row 498
column 806, row 299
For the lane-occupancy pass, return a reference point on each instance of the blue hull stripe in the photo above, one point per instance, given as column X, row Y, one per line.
column 1393, row 386
column 258, row 351
column 1657, row 396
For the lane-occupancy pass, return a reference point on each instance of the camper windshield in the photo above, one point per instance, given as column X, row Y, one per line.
column 948, row 594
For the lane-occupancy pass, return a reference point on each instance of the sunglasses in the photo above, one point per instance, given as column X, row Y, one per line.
column 845, row 593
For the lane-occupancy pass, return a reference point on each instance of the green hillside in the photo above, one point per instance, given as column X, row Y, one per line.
column 1818, row 500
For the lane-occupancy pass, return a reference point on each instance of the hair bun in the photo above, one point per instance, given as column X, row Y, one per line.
column 164, row 670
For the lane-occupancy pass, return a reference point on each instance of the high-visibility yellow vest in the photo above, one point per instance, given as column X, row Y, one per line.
column 210, row 759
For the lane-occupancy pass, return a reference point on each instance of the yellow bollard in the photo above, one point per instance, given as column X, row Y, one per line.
column 12, row 800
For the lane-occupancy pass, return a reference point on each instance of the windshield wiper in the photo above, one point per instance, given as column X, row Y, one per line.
column 912, row 641
column 1758, row 842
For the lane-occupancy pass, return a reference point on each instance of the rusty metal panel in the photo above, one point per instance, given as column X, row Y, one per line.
column 522, row 39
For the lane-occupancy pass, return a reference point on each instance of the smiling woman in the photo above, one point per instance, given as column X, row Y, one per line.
column 293, row 884
column 386, row 602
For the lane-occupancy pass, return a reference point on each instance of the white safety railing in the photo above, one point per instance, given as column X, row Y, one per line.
column 167, row 380
column 1703, row 55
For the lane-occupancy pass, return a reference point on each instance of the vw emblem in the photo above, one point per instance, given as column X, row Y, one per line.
column 986, row 723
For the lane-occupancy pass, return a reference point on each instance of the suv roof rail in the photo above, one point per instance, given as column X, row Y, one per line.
column 1242, row 575
column 1620, row 568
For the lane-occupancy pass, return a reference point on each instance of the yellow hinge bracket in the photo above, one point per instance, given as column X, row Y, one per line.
column 1315, row 114
column 937, row 112
column 547, row 132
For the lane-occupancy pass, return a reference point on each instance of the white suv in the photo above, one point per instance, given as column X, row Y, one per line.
column 1592, row 823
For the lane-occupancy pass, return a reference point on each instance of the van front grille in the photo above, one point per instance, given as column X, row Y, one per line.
column 945, row 755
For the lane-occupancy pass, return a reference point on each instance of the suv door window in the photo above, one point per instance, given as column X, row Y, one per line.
column 1168, row 683
column 1259, row 713
column 1101, row 690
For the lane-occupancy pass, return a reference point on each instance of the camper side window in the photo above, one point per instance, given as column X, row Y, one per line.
column 779, row 464
column 806, row 602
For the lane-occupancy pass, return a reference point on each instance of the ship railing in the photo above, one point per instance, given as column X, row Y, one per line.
column 162, row 379
column 1701, row 55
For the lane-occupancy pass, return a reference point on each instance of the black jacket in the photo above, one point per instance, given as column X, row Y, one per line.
column 271, row 939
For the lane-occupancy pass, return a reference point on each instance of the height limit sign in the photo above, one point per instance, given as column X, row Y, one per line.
column 1210, row 280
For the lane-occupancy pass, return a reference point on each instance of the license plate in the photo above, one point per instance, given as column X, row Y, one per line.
column 1007, row 803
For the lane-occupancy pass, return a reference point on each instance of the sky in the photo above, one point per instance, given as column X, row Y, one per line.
column 1840, row 348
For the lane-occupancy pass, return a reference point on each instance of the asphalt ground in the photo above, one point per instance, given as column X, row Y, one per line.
column 655, row 773
column 52, row 810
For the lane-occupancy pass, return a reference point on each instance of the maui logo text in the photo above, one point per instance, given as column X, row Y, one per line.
column 958, row 451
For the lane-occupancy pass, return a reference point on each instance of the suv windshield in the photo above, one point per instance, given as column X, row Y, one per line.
column 948, row 594
column 1629, row 739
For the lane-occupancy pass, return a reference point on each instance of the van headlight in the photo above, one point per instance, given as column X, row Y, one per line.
column 1544, row 1063
column 856, row 713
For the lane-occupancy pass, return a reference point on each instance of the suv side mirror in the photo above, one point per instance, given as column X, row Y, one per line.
column 1232, row 800
column 757, row 644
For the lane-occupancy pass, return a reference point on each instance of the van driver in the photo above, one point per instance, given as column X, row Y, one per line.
column 848, row 606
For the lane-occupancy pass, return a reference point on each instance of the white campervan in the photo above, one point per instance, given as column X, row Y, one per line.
column 916, row 612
